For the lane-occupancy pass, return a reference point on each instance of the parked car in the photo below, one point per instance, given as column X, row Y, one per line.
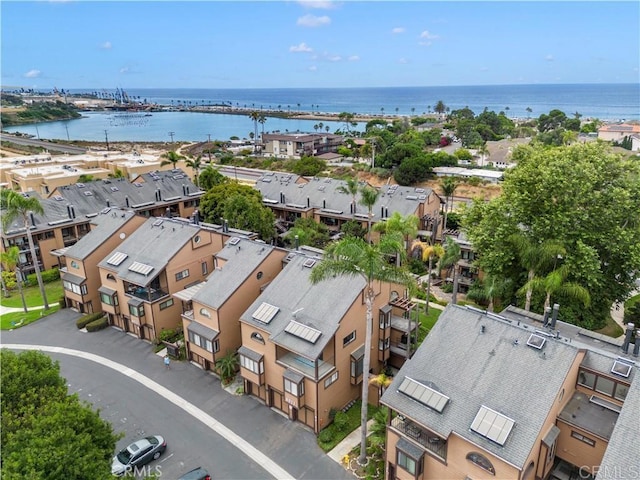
column 137, row 454
column 196, row 474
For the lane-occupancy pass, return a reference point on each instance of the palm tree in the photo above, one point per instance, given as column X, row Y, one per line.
column 429, row 252
column 356, row 258
column 171, row 158
column 484, row 153
column 440, row 107
column 450, row 260
column 407, row 226
column 196, row 164
column 368, row 198
column 326, row 128
column 534, row 257
column 489, row 289
column 528, row 109
column 16, row 207
column 448, row 185
column 255, row 116
column 11, row 263
column 555, row 284
column 262, row 120
column 382, row 381
column 351, row 187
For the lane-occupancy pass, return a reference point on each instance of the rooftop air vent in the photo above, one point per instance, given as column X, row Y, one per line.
column 234, row 240
column 536, row 341
column 80, row 185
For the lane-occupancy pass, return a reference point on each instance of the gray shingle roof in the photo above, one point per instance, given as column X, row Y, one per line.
column 321, row 306
column 153, row 246
column 241, row 260
column 322, row 193
column 107, row 224
column 474, row 369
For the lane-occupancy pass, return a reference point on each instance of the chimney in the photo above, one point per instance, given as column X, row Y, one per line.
column 324, row 203
column 308, row 202
column 158, row 195
column 69, row 211
column 282, row 197
column 547, row 313
column 482, row 329
column 381, row 212
column 184, row 189
column 126, row 200
column 225, row 225
column 554, row 315
column 627, row 337
column 32, row 218
column 196, row 217
column 297, row 242
column 108, row 203
column 167, row 212
column 636, row 346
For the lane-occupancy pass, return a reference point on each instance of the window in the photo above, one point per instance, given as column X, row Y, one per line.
column 205, row 268
column 332, row 379
column 257, row 337
column 385, row 319
column 406, row 462
column 196, row 239
column 259, row 275
column 166, row 304
column 481, row 461
column 74, row 264
column 349, row 338
column 182, row 274
column 111, row 277
column 582, row 438
column 621, row 391
column 109, row 300
column 357, row 367
column 205, row 313
column 293, row 388
column 136, row 310
column 383, row 344
column 77, row 289
column 202, row 342
column 252, row 365
column 605, row 385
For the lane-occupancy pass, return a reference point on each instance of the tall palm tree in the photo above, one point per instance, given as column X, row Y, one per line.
column 555, row 284
column 448, row 185
column 196, row 165
column 489, row 289
column 351, row 187
column 17, row 207
column 11, row 263
column 255, row 116
column 429, row 252
column 171, row 158
column 368, row 198
column 407, row 226
column 534, row 257
column 450, row 260
column 262, row 120
column 357, row 258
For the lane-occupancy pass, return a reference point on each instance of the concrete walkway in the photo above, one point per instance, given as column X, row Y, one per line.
column 349, row 443
column 4, row 310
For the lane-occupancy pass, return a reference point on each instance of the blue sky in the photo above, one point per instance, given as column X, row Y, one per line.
column 268, row 44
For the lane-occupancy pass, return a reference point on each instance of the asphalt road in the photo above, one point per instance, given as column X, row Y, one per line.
column 57, row 147
column 134, row 408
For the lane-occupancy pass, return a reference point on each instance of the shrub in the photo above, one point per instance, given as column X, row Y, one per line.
column 86, row 319
column 341, row 420
column 447, row 288
column 325, row 436
column 98, row 324
column 62, row 302
column 47, row 277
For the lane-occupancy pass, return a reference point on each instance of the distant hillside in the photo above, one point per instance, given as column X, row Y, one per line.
column 15, row 112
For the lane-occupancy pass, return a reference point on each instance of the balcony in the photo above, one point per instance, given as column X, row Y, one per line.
column 146, row 293
column 305, row 366
column 430, row 441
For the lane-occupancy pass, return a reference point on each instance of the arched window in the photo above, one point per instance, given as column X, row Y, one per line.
column 205, row 313
column 257, row 337
column 481, row 461
column 393, row 296
column 111, row 277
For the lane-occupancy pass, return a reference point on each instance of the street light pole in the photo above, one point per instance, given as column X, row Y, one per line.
column 106, row 139
column 209, row 147
column 171, row 134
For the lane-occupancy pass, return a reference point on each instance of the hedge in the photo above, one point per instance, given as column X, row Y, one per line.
column 47, row 277
column 86, row 319
column 98, row 324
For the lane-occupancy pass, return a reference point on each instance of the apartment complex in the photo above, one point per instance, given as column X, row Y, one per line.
column 514, row 395
column 296, row 145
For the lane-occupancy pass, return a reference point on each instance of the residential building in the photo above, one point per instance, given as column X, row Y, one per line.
column 296, row 145
column 211, row 309
column 303, row 344
column 466, row 271
column 515, row 395
column 617, row 131
column 79, row 262
column 138, row 278
column 292, row 197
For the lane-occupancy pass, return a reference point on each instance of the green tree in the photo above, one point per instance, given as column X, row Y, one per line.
column 308, row 166
column 46, row 433
column 405, row 225
column 212, row 203
column 356, row 258
column 450, row 260
column 16, row 207
column 368, row 198
column 412, row 170
column 489, row 289
column 353, row 228
column 440, row 107
column 428, row 254
column 196, row 165
column 448, row 185
column 171, row 158
column 309, row 232
column 555, row 284
column 10, row 260
column 85, row 178
column 248, row 213
column 255, row 116
column 210, row 177
column 227, row 366
column 351, row 187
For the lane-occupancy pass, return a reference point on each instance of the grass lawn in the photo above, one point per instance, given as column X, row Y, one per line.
column 611, row 329
column 632, row 301
column 32, row 296
column 331, row 436
column 20, row 319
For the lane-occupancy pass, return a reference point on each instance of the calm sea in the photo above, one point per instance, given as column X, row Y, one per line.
column 613, row 102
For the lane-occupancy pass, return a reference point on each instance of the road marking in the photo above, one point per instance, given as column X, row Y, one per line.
column 241, row 444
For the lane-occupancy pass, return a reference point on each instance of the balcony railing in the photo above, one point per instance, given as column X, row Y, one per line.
column 428, row 440
column 149, row 294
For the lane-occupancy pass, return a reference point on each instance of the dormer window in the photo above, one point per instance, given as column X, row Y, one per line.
column 481, row 461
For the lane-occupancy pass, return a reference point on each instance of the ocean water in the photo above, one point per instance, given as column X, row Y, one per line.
column 612, row 102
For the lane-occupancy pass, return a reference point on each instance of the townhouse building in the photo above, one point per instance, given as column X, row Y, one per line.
column 211, row 309
column 292, row 197
column 296, row 145
column 68, row 212
column 513, row 396
column 78, row 263
column 303, row 344
column 138, row 278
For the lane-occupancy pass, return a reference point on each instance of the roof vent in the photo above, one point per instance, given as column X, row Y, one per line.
column 309, row 262
column 536, row 341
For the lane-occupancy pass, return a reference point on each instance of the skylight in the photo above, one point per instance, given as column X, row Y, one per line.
column 234, row 240
column 265, row 312
column 492, row 425
column 117, row 258
column 621, row 368
column 424, row 394
column 304, row 332
column 140, row 268
column 309, row 262
column 536, row 341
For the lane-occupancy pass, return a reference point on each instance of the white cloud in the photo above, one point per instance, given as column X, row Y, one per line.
column 319, row 4
column 106, row 45
column 403, row 61
column 313, row 21
column 313, row 68
column 428, row 35
column 353, row 58
column 33, row 73
column 301, row 47
column 124, row 70
column 398, row 30
column 549, row 58
column 333, row 58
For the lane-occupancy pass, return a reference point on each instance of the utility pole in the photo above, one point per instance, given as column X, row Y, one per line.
column 209, row 147
column 106, row 139
column 373, row 153
column 66, row 127
column 171, row 134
